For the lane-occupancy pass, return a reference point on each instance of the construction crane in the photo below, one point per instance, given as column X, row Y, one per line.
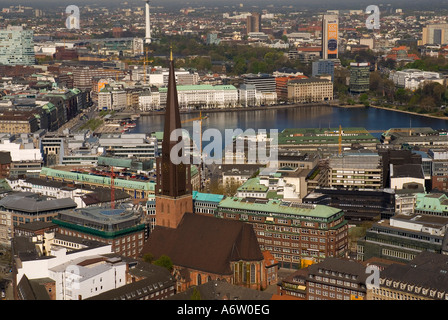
column 144, row 62
column 200, row 118
column 341, row 132
column 112, row 187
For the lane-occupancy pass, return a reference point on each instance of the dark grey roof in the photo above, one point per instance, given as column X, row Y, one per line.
column 47, row 183
column 156, row 278
column 35, row 203
column 35, row 225
column 25, row 249
column 340, row 265
column 5, row 157
column 33, row 289
column 428, row 270
column 222, row 290
column 408, row 170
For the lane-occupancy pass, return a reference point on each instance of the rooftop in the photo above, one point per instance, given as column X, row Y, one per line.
column 324, row 135
column 34, row 203
column 209, row 197
column 103, row 180
column 268, row 207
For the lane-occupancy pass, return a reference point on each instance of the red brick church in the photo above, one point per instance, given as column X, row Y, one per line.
column 202, row 248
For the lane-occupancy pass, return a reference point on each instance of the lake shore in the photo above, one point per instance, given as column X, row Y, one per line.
column 410, row 112
column 236, row 109
column 274, row 107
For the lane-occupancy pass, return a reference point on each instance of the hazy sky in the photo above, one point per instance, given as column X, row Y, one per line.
column 330, row 4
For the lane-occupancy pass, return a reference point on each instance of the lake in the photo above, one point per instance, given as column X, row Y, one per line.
column 298, row 117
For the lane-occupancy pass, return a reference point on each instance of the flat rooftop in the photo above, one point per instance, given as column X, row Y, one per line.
column 292, row 209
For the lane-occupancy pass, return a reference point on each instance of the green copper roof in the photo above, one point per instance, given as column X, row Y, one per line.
column 158, row 135
column 324, row 135
column 209, row 197
column 82, row 177
column 279, row 207
column 253, row 185
column 435, row 202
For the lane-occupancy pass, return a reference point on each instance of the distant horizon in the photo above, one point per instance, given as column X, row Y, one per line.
column 428, row 5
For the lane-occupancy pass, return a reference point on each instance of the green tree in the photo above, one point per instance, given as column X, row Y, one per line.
column 164, row 261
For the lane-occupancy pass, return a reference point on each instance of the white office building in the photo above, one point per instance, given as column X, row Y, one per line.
column 79, row 268
column 112, row 98
column 149, row 100
column 204, row 96
column 412, row 79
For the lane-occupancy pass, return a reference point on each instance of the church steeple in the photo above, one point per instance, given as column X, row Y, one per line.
column 172, row 178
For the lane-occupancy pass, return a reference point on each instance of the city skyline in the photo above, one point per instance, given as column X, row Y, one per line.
column 318, row 168
column 322, row 4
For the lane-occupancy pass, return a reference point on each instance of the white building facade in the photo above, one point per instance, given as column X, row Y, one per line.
column 412, row 79
column 78, row 274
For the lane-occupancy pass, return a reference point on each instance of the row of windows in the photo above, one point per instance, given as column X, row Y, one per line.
column 398, row 254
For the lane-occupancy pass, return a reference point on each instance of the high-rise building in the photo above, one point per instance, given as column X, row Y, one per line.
column 359, row 77
column 16, row 46
column 323, row 67
column 435, row 34
column 173, row 188
column 330, row 27
column 254, row 23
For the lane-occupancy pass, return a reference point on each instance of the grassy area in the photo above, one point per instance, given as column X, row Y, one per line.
column 92, row 124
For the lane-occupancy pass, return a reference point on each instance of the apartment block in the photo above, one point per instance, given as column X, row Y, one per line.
column 336, row 279
column 18, row 122
column 435, row 34
column 360, row 170
column 291, row 231
column 422, row 278
column 19, row 208
column 310, row 90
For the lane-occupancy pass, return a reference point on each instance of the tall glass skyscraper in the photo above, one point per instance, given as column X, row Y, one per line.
column 16, row 46
column 359, row 77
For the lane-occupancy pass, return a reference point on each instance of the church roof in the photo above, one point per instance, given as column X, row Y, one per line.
column 205, row 243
